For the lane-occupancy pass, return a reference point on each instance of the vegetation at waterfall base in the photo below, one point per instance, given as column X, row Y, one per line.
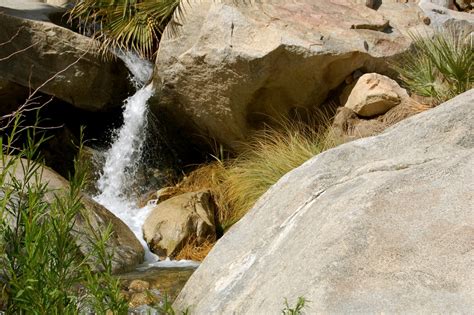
column 42, row 270
column 236, row 183
column 135, row 25
column 440, row 66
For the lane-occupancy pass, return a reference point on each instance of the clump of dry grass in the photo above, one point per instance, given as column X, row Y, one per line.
column 270, row 155
column 404, row 110
column 194, row 250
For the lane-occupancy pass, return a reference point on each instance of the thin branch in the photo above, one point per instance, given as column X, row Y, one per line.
column 18, row 51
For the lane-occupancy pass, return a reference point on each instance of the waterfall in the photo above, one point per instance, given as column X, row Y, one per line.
column 123, row 159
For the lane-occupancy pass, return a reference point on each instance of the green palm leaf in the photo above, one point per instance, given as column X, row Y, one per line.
column 135, row 25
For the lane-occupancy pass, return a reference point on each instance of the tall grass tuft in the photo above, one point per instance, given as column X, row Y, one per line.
column 439, row 67
column 270, row 155
column 237, row 183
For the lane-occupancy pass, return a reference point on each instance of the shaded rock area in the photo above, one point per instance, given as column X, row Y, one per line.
column 231, row 67
column 379, row 225
column 128, row 252
column 178, row 220
column 56, row 60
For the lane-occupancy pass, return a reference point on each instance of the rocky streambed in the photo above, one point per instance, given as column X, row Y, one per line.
column 233, row 69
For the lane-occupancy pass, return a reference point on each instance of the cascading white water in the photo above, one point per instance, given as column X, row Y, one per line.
column 121, row 162
column 124, row 156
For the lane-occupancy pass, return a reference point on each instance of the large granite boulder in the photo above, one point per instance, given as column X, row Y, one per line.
column 379, row 225
column 57, row 60
column 128, row 252
column 231, row 66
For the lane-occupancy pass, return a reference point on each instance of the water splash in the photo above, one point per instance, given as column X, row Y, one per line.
column 124, row 158
column 121, row 162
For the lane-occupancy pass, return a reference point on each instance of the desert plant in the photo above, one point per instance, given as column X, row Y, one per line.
column 297, row 309
column 439, row 66
column 135, row 25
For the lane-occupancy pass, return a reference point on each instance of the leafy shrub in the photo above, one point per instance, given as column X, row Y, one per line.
column 42, row 270
column 439, row 67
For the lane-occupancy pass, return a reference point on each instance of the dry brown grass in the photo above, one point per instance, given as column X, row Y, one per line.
column 406, row 109
column 193, row 250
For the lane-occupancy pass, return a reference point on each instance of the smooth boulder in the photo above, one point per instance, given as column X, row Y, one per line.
column 232, row 65
column 178, row 220
column 56, row 60
column 374, row 94
column 379, row 225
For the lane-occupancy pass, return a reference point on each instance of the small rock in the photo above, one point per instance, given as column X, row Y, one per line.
column 464, row 5
column 374, row 94
column 138, row 285
column 141, row 298
column 177, row 220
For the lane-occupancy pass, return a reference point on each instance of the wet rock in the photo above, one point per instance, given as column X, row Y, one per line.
column 141, row 298
column 178, row 220
column 139, row 285
column 162, row 282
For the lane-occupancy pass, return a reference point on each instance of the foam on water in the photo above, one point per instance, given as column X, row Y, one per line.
column 123, row 158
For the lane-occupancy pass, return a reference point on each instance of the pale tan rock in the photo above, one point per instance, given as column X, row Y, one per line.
column 374, row 94
column 232, row 67
column 379, row 225
column 60, row 3
column 181, row 218
column 138, row 285
column 442, row 17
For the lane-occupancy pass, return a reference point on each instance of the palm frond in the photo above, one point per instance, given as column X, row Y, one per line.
column 440, row 66
column 135, row 25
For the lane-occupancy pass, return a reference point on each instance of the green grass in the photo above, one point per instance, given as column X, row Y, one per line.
column 270, row 155
column 439, row 67
column 297, row 309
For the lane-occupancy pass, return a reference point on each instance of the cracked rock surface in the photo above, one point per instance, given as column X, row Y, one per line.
column 382, row 224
